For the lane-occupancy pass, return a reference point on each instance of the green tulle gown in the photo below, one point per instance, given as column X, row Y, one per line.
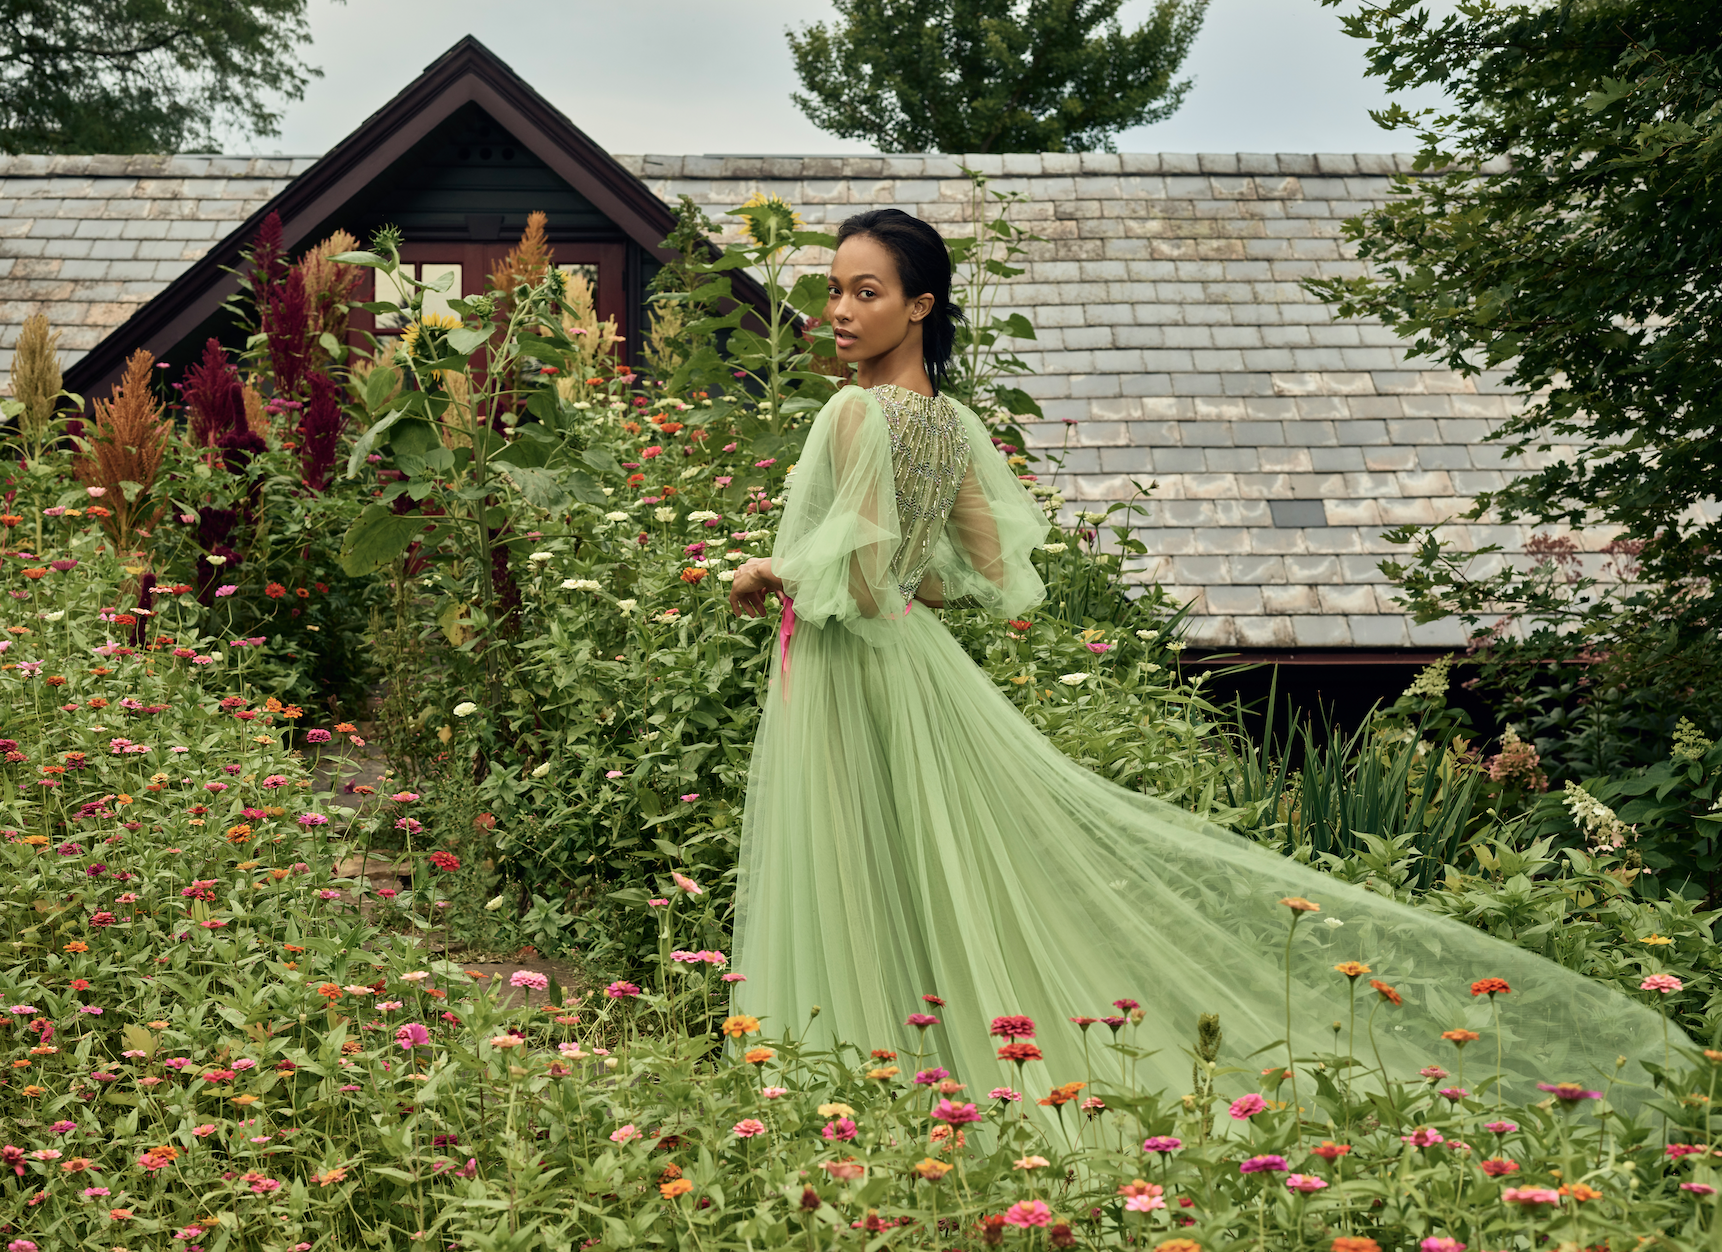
column 907, row 833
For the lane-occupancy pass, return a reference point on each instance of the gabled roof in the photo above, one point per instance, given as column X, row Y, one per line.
column 468, row 73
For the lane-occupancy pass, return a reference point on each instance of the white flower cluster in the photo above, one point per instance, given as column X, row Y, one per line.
column 664, row 513
column 1689, row 742
column 702, row 515
column 627, row 606
column 538, row 558
column 726, row 576
column 1431, row 680
column 1601, row 825
column 617, row 516
column 1073, row 680
column 689, row 472
column 579, row 584
column 1092, row 518
column 1054, row 548
column 1147, row 636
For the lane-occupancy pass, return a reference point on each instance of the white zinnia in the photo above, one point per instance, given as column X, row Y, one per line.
column 541, row 770
column 1147, row 636
column 1073, row 680
column 617, row 516
column 726, row 576
column 627, row 606
column 664, row 514
column 702, row 515
column 579, row 584
column 689, row 472
column 1052, row 547
column 542, row 556
column 466, row 708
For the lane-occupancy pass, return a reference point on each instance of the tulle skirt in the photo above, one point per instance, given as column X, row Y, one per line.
column 908, row 833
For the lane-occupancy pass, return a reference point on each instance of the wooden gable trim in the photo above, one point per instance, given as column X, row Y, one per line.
column 467, row 73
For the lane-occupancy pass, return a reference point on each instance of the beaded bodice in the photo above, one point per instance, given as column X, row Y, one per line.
column 929, row 455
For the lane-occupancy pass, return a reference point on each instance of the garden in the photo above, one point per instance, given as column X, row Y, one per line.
column 376, row 734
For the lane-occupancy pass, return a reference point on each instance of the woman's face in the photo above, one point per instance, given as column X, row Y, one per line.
column 869, row 312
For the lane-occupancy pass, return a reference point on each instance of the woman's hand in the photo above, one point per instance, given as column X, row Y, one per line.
column 753, row 582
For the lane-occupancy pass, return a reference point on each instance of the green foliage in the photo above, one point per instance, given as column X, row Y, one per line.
column 991, row 75
column 1562, row 228
column 980, row 262
column 85, row 76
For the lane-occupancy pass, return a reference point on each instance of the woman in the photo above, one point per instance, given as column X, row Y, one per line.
column 909, row 835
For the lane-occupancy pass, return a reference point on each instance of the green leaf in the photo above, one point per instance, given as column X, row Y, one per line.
column 465, row 339
column 379, row 385
column 369, row 259
column 366, row 443
column 413, row 437
column 602, row 460
column 376, row 538
column 539, row 486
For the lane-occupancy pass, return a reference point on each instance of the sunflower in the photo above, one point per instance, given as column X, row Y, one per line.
column 770, row 220
column 410, row 336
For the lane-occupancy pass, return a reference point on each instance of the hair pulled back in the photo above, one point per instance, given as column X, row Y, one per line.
column 923, row 267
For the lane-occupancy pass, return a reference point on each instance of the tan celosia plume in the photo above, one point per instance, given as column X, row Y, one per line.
column 36, row 379
column 131, row 433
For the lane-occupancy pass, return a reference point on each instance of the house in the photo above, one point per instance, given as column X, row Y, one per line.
column 1175, row 346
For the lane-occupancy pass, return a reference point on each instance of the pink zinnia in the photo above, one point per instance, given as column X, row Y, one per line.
column 411, row 1036
column 1246, row 1107
column 1674, row 1150
column 1698, row 1188
column 748, row 1127
column 625, row 1134
column 1162, row 1143
column 687, row 884
column 843, row 1129
column 1013, row 1026
column 921, row 1020
column 621, row 990
column 1424, row 1137
column 529, row 979
column 1028, row 1213
column 1263, row 1164
column 956, row 1114
column 1305, row 1183
column 1661, row 982
column 1441, row 1243
column 1530, row 1197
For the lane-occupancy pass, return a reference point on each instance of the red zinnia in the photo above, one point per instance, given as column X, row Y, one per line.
column 1021, row 1053
column 275, row 591
column 1490, row 986
column 1013, row 1026
column 445, row 860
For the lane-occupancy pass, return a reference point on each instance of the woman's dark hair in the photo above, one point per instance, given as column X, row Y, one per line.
column 923, row 267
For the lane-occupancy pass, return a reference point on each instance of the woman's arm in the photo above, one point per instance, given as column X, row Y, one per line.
column 753, row 582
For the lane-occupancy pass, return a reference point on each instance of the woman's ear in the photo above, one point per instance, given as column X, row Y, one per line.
column 920, row 307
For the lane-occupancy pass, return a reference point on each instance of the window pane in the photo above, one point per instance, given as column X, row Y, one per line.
column 437, row 301
column 389, row 289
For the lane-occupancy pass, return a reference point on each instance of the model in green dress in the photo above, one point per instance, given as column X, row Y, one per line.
column 908, row 834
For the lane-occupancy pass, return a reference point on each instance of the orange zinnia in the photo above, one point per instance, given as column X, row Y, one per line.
column 1580, row 1192
column 1387, row 993
column 740, row 1024
column 1459, row 1038
column 758, row 1056
column 1355, row 1243
column 1490, row 987
column 1352, row 969
column 675, row 1187
column 1298, row 904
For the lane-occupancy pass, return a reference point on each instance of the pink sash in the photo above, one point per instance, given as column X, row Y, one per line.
column 786, row 631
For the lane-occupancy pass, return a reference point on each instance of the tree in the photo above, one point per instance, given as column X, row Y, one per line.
column 81, row 76
column 992, row 75
column 1564, row 227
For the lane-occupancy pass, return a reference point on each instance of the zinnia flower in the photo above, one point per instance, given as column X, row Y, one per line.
column 1028, row 1213
column 1531, row 1197
column 1012, row 1026
column 1246, row 1107
column 1568, row 1093
column 1161, row 1143
column 1664, row 983
column 1387, row 993
column 1306, row 1183
column 748, row 1127
column 1490, row 987
column 412, row 1035
column 1264, row 1164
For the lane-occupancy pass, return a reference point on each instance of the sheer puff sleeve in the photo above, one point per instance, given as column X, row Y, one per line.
column 839, row 530
column 982, row 559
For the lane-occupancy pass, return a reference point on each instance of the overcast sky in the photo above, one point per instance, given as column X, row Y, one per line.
column 710, row 76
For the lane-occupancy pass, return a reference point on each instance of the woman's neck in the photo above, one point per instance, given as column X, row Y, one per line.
column 902, row 366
